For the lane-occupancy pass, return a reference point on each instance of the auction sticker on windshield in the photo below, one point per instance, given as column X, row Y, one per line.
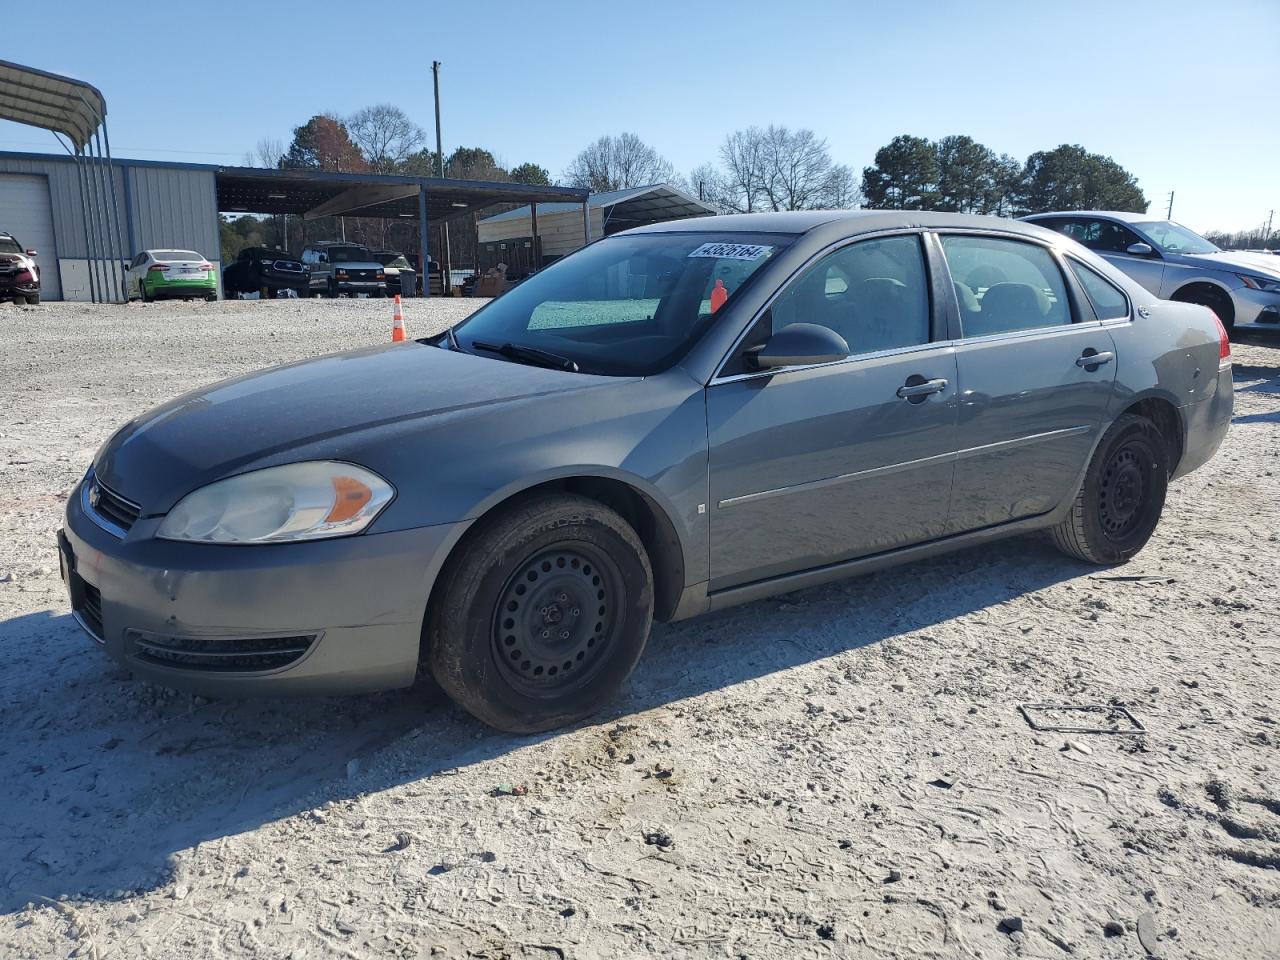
column 732, row 251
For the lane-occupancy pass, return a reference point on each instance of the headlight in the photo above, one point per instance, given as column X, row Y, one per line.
column 299, row 501
column 1260, row 283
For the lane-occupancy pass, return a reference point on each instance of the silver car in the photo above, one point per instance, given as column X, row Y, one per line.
column 1175, row 263
column 672, row 420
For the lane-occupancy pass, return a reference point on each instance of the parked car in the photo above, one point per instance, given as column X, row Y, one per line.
column 392, row 265
column 669, row 421
column 338, row 267
column 19, row 272
column 1175, row 263
column 265, row 272
column 170, row 275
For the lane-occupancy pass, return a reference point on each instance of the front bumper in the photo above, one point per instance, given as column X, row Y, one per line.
column 361, row 286
column 326, row 617
column 1256, row 309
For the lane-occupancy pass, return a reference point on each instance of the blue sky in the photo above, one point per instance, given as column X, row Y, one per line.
column 1183, row 94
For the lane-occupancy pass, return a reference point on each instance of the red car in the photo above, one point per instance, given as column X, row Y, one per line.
column 19, row 274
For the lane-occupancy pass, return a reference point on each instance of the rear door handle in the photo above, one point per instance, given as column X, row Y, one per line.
column 922, row 389
column 1095, row 359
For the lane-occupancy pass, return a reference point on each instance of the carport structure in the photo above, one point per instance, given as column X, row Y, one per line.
column 75, row 112
column 313, row 194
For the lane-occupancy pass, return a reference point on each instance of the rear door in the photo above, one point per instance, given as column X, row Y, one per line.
column 818, row 464
column 1031, row 399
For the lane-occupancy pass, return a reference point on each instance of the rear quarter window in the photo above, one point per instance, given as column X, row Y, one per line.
column 1108, row 300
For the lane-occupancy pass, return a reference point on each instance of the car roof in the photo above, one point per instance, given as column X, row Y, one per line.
column 855, row 221
column 1122, row 215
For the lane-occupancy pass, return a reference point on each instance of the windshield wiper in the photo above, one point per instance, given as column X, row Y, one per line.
column 532, row 355
column 453, row 340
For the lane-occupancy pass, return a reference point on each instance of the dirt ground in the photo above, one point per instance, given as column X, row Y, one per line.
column 840, row 772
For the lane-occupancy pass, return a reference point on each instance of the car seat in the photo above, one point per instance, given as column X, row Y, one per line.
column 1009, row 306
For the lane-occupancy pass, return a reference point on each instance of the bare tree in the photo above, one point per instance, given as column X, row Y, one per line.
column 385, row 135
column 797, row 168
column 841, row 190
column 268, row 152
column 742, row 154
column 616, row 163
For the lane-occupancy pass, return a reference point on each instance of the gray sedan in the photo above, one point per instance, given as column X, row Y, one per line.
column 1242, row 287
column 672, row 420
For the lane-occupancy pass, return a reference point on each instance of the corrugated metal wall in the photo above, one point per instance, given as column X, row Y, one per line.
column 64, row 197
column 175, row 208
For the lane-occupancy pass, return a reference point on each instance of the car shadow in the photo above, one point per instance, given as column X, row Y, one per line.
column 108, row 777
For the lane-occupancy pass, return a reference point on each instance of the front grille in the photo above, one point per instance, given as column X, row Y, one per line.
column 284, row 266
column 221, row 654
column 90, row 607
column 362, row 275
column 112, row 507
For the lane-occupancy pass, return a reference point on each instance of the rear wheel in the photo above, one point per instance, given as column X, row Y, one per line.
column 542, row 616
column 1120, row 502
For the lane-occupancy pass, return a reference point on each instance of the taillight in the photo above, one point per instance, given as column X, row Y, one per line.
column 157, row 268
column 1224, row 342
column 206, row 266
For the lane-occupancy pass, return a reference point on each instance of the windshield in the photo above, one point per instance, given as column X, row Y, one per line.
column 1173, row 237
column 9, row 245
column 628, row 305
column 165, row 256
column 349, row 255
column 392, row 260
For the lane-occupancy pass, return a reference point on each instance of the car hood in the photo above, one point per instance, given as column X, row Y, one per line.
column 322, row 404
column 1263, row 263
column 20, row 259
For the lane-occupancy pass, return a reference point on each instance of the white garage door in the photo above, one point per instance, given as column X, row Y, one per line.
column 25, row 212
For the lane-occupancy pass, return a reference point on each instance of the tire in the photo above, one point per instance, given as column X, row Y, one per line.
column 33, row 300
column 333, row 291
column 1212, row 298
column 1120, row 502
column 543, row 615
column 142, row 292
column 264, row 293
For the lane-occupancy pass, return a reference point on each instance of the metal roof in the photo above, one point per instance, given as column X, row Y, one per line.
column 318, row 193
column 656, row 201
column 70, row 107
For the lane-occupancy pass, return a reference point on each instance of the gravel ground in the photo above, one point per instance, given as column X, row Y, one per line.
column 840, row 772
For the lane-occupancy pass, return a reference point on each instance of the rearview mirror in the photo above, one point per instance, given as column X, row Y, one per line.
column 1139, row 249
column 801, row 344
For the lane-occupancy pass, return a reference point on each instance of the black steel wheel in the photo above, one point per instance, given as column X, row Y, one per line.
column 1120, row 502
column 541, row 614
column 554, row 618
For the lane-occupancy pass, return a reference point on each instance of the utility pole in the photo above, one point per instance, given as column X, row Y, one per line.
column 1169, row 216
column 446, row 262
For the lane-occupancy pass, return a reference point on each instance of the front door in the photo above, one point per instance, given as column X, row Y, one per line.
column 819, row 464
column 1030, row 401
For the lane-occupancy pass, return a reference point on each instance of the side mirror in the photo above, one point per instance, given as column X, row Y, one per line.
column 32, row 253
column 1139, row 249
column 801, row 344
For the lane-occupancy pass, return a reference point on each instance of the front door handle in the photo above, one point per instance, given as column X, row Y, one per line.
column 917, row 388
column 1095, row 360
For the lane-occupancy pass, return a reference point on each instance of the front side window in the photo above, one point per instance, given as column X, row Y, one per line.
column 627, row 305
column 1109, row 303
column 875, row 294
column 1175, row 238
column 1005, row 285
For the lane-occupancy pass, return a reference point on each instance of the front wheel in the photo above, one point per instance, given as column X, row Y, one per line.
column 1120, row 502
column 543, row 615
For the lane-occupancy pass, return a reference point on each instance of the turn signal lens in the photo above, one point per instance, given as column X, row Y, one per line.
column 350, row 497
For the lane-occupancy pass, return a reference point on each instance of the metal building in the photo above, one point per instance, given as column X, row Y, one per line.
column 176, row 206
column 161, row 206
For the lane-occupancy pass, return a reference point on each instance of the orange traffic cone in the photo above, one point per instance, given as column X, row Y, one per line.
column 397, row 323
column 718, row 296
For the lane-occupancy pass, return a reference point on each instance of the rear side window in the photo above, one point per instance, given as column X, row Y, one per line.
column 1005, row 285
column 1109, row 303
column 875, row 294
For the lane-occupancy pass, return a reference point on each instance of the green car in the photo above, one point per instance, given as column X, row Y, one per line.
column 171, row 274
